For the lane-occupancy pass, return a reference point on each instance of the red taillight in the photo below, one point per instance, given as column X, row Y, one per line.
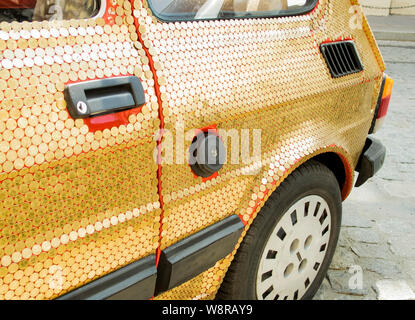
column 383, row 106
column 386, row 97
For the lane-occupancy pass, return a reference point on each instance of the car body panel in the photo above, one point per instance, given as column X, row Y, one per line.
column 89, row 198
column 78, row 198
column 252, row 74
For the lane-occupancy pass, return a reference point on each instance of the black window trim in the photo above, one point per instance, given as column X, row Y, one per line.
column 101, row 11
column 287, row 13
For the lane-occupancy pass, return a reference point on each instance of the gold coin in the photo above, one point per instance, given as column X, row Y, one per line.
column 119, row 11
column 15, row 73
column 130, row 21
column 100, row 22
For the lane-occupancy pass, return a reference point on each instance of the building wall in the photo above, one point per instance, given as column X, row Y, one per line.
column 387, row 7
column 403, row 3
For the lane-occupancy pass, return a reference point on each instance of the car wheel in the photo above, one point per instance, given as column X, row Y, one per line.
column 290, row 244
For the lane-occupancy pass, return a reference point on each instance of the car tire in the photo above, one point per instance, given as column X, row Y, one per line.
column 288, row 248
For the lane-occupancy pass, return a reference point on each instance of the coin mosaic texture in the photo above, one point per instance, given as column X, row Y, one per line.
column 80, row 198
column 76, row 202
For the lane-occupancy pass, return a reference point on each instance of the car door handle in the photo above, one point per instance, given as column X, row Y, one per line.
column 98, row 97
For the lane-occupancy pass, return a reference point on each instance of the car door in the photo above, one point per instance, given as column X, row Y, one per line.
column 79, row 189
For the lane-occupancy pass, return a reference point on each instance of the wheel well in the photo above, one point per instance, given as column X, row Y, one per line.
column 333, row 161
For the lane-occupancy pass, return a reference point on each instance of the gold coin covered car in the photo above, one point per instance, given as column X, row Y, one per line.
column 181, row 149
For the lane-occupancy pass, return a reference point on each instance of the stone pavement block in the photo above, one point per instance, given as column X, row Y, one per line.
column 403, row 246
column 393, row 290
column 344, row 239
column 325, row 292
column 367, row 235
column 400, row 189
column 406, row 54
column 396, row 226
column 343, row 259
column 395, row 211
column 409, row 264
column 385, row 268
column 367, row 250
column 352, row 219
column 408, row 267
column 366, row 195
column 343, row 282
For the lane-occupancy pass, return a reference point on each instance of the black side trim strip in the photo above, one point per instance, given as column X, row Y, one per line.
column 188, row 258
column 135, row 281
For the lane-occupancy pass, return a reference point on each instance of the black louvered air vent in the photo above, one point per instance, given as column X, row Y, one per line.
column 341, row 58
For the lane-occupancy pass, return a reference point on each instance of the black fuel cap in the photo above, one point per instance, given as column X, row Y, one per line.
column 207, row 154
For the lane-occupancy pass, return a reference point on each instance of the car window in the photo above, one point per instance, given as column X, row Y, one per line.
column 173, row 10
column 40, row 10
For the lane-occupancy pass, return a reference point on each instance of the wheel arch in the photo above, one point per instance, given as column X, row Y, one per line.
column 340, row 166
column 334, row 157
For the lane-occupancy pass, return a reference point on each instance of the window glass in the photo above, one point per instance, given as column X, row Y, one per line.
column 219, row 9
column 40, row 10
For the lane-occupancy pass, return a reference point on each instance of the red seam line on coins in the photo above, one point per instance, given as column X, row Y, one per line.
column 161, row 117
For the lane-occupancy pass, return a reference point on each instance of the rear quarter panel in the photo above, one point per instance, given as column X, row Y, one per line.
column 265, row 74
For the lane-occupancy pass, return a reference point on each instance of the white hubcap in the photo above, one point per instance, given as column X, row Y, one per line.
column 295, row 250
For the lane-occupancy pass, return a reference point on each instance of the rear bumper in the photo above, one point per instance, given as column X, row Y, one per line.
column 371, row 160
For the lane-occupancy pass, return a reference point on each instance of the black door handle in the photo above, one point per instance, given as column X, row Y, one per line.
column 99, row 97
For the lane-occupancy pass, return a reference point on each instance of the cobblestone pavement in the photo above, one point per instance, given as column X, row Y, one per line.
column 375, row 258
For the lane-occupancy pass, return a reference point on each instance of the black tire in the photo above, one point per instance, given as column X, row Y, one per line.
column 312, row 178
